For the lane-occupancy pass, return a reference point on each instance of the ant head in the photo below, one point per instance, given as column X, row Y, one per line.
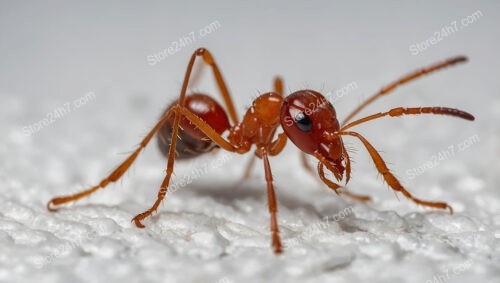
column 310, row 121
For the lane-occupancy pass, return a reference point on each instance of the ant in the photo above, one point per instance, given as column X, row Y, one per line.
column 307, row 118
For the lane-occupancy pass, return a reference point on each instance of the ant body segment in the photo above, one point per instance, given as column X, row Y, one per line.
column 199, row 122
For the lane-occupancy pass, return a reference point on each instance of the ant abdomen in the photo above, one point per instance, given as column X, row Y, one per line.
column 191, row 141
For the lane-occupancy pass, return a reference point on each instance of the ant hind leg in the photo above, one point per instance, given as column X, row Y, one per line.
column 207, row 130
column 116, row 174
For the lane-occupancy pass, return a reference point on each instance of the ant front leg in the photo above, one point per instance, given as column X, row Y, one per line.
column 338, row 189
column 321, row 172
column 379, row 162
column 389, row 177
column 361, row 198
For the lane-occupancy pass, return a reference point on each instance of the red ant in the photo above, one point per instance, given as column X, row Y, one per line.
column 306, row 116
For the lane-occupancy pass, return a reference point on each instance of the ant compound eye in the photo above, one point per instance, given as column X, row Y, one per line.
column 304, row 116
column 303, row 122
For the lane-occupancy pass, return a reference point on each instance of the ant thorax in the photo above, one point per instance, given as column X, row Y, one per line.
column 259, row 123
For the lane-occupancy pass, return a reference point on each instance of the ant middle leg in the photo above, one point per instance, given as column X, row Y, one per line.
column 272, row 203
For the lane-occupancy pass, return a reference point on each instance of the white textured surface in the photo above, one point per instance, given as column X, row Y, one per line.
column 212, row 230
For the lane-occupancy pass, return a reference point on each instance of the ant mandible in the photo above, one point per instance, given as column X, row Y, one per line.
column 308, row 119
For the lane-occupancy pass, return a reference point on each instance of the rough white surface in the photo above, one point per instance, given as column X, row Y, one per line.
column 212, row 230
